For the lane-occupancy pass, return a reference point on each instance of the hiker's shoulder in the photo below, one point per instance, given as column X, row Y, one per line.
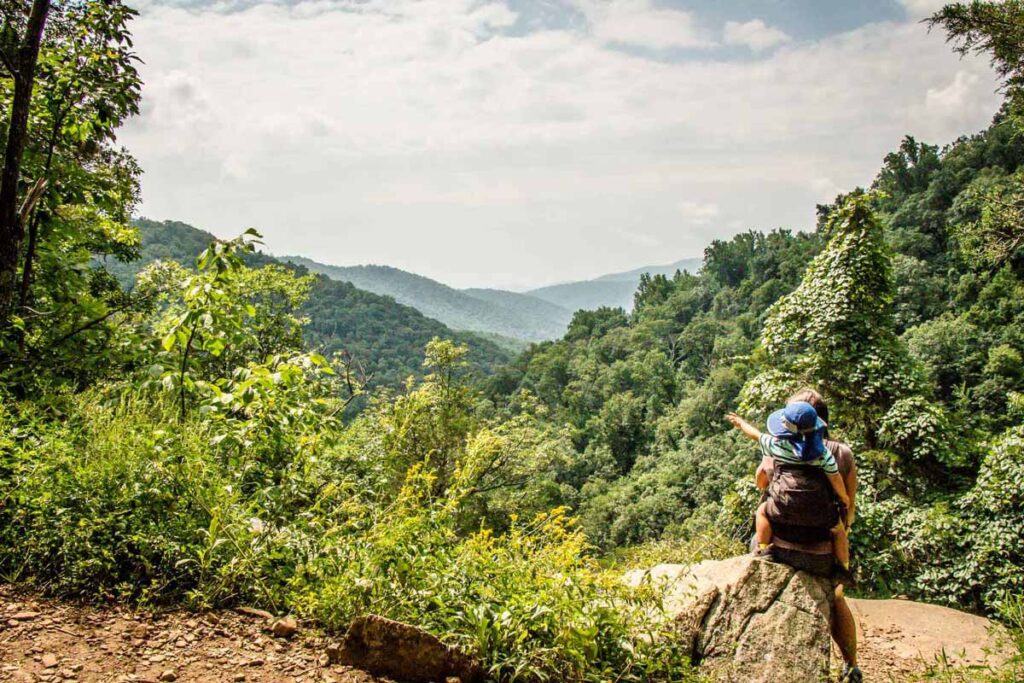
column 841, row 452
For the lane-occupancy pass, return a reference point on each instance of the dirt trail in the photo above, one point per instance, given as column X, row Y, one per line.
column 54, row 642
column 900, row 638
column 44, row 640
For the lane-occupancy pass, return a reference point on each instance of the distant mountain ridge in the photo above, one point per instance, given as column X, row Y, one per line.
column 384, row 337
column 614, row 289
column 687, row 264
column 536, row 315
column 509, row 314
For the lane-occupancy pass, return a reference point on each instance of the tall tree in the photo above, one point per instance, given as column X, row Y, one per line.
column 77, row 189
column 995, row 29
column 19, row 51
column 836, row 329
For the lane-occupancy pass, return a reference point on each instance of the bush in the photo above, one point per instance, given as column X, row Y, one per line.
column 122, row 501
column 110, row 504
column 528, row 603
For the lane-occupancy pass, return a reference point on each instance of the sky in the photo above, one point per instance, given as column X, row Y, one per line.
column 516, row 143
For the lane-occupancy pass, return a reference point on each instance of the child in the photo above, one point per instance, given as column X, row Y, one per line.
column 795, row 438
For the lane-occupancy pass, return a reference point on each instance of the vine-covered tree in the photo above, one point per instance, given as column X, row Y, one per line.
column 835, row 331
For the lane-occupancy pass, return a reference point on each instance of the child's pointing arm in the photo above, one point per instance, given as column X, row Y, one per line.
column 748, row 429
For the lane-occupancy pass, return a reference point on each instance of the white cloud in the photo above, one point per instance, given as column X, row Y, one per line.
column 754, row 34
column 411, row 133
column 955, row 98
column 699, row 213
column 639, row 23
column 919, row 9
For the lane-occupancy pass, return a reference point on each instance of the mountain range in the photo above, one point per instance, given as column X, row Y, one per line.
column 509, row 314
column 614, row 289
column 535, row 315
column 384, row 316
column 383, row 337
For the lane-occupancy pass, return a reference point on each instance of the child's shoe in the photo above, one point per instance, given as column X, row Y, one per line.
column 851, row 674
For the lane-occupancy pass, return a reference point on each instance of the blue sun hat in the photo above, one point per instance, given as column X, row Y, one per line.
column 799, row 424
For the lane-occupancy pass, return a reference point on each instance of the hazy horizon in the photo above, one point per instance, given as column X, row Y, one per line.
column 519, row 143
column 521, row 290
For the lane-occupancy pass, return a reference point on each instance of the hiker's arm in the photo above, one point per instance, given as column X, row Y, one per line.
column 840, row 488
column 749, row 430
column 851, row 490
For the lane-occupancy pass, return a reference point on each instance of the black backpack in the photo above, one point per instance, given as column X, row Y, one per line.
column 802, row 506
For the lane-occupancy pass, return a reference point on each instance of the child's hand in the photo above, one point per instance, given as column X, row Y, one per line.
column 749, row 430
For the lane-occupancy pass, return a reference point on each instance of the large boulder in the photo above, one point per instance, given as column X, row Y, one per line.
column 750, row 620
column 404, row 652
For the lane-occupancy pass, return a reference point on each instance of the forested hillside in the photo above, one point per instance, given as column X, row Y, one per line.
column 518, row 316
column 383, row 339
column 174, row 432
column 904, row 307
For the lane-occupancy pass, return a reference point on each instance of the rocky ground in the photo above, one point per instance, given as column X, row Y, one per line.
column 901, row 639
column 51, row 641
column 44, row 640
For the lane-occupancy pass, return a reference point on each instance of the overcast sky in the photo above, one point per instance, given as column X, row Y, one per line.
column 520, row 142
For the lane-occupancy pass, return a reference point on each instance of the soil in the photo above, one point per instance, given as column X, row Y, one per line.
column 52, row 641
column 44, row 640
column 900, row 640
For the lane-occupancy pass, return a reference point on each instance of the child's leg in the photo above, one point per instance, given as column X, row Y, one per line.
column 841, row 545
column 762, row 527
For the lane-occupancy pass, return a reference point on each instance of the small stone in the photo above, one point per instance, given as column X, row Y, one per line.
column 323, row 660
column 24, row 616
column 253, row 612
column 140, row 631
column 49, row 660
column 168, row 676
column 239, row 678
column 180, row 642
column 333, row 653
column 285, row 627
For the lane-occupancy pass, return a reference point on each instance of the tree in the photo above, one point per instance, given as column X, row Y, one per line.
column 997, row 237
column 19, row 55
column 86, row 87
column 77, row 193
column 836, row 329
column 210, row 317
column 996, row 29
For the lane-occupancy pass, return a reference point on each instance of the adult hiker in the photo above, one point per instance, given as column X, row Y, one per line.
column 801, row 498
column 816, row 555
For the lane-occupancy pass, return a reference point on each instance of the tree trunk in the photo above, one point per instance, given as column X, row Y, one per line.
column 11, row 228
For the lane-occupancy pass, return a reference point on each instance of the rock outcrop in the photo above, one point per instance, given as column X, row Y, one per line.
column 750, row 620
column 404, row 652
